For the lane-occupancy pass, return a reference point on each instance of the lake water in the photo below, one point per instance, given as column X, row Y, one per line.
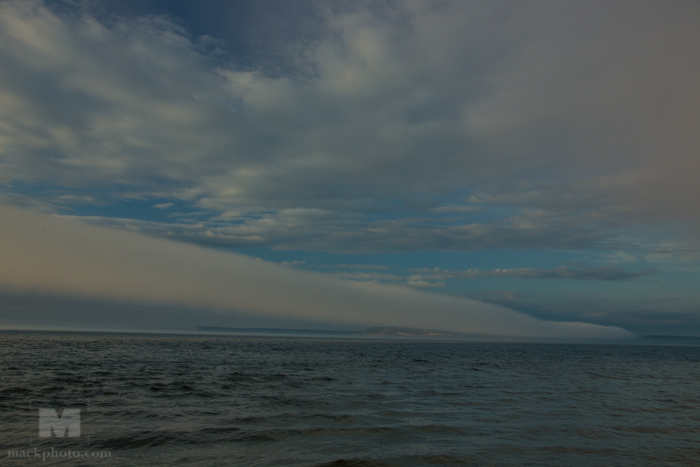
column 227, row 400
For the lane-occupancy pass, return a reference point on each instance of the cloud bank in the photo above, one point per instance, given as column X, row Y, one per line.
column 61, row 256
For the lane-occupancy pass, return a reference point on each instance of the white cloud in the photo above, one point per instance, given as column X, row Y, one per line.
column 367, row 276
column 418, row 282
column 372, row 267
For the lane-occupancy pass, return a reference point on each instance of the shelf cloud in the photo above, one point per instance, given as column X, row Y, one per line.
column 64, row 257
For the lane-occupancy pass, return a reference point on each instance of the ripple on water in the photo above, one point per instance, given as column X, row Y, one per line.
column 198, row 400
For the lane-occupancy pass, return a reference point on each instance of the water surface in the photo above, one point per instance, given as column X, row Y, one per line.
column 227, row 400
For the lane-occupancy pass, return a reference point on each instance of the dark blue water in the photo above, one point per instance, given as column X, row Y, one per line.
column 200, row 400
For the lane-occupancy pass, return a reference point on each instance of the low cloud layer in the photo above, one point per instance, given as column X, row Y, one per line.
column 64, row 257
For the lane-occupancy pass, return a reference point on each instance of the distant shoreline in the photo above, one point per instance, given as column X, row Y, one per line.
column 383, row 333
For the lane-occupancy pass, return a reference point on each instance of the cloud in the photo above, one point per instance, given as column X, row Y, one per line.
column 325, row 230
column 517, row 120
column 418, row 282
column 58, row 256
column 373, row 267
column 367, row 276
column 601, row 273
column 293, row 263
column 661, row 314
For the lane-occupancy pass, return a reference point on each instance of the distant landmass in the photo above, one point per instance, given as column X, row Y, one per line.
column 404, row 332
column 669, row 336
column 410, row 332
column 670, row 339
column 270, row 330
column 385, row 331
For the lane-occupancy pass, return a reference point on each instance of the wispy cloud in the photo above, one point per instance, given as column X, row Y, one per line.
column 368, row 276
column 419, row 282
column 366, row 267
column 600, row 273
column 322, row 230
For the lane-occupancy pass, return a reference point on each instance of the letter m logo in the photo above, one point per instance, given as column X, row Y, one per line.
column 67, row 424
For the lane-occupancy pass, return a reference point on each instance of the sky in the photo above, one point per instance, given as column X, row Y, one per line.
column 498, row 167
